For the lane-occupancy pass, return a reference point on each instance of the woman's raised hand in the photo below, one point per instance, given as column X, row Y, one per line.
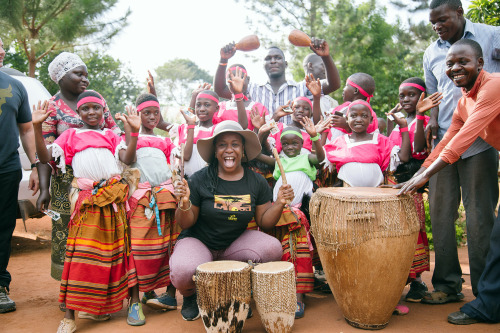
column 324, row 124
column 189, row 117
column 201, row 87
column 308, row 125
column 237, row 80
column 313, row 85
column 399, row 121
column 40, row 112
column 133, row 119
column 428, row 103
column 228, row 51
column 280, row 113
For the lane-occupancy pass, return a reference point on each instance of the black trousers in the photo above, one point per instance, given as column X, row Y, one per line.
column 475, row 181
column 9, row 182
column 487, row 304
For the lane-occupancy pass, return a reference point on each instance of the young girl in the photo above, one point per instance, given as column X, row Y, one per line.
column 362, row 157
column 228, row 110
column 153, row 230
column 411, row 91
column 301, row 108
column 358, row 86
column 94, row 278
column 205, row 103
column 300, row 171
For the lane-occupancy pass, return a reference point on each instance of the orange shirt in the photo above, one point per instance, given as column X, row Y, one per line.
column 477, row 114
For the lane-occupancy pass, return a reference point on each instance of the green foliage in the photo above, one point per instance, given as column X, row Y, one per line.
column 460, row 226
column 40, row 27
column 485, row 11
column 177, row 78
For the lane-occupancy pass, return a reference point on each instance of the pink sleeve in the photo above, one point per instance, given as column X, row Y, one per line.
column 65, row 142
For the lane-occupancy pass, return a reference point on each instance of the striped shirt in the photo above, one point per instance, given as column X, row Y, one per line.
column 436, row 79
column 263, row 93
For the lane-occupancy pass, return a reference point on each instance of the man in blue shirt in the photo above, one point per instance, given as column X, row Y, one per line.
column 473, row 179
column 15, row 120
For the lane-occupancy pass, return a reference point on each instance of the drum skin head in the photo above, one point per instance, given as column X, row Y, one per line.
column 222, row 266
column 274, row 266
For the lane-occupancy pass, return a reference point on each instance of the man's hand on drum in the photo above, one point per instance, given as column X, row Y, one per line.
column 181, row 191
column 285, row 194
column 411, row 186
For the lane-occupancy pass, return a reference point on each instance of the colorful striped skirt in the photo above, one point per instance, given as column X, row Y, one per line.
column 421, row 261
column 150, row 251
column 292, row 230
column 94, row 278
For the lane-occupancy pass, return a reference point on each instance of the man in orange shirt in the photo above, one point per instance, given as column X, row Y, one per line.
column 477, row 115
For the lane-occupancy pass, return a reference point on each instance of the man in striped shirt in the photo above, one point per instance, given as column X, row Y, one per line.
column 278, row 90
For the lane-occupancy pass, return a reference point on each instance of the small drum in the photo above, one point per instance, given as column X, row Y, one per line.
column 273, row 286
column 366, row 240
column 224, row 293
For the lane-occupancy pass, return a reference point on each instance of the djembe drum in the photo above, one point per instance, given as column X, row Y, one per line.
column 224, row 293
column 273, row 286
column 366, row 239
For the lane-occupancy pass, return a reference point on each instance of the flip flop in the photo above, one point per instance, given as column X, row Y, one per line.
column 439, row 297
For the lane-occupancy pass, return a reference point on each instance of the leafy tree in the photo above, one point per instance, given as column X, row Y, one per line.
column 411, row 6
column 40, row 27
column 177, row 78
column 485, row 11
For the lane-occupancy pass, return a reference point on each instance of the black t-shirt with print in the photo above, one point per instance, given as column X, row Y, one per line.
column 225, row 216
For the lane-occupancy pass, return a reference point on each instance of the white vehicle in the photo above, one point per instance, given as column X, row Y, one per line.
column 36, row 92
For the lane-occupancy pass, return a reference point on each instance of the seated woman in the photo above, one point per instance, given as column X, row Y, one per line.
column 216, row 206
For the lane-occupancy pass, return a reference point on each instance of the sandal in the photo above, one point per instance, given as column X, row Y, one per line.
column 439, row 297
column 401, row 310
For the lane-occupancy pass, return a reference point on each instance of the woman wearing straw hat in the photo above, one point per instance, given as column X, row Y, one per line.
column 216, row 206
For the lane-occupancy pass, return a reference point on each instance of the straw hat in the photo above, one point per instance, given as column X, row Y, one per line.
column 206, row 147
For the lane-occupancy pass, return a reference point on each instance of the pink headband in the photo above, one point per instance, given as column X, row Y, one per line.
column 146, row 104
column 302, row 98
column 359, row 101
column 207, row 96
column 90, row 99
column 241, row 69
column 361, row 90
column 414, row 85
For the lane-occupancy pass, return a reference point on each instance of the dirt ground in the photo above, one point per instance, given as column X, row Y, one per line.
column 35, row 294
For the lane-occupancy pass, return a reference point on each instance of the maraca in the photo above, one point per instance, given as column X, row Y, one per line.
column 248, row 43
column 299, row 38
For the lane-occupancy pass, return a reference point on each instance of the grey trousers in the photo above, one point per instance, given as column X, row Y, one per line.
column 475, row 181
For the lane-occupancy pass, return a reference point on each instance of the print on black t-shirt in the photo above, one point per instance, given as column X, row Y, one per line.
column 235, row 203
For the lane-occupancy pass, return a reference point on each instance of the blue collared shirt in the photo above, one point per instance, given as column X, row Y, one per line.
column 436, row 79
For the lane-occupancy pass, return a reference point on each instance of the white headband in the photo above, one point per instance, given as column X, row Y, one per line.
column 64, row 63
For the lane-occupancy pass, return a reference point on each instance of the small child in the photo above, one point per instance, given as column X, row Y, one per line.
column 205, row 103
column 362, row 157
column 153, row 230
column 228, row 110
column 94, row 278
column 300, row 171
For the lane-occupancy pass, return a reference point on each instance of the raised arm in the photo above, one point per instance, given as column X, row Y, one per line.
column 423, row 105
column 321, row 48
column 40, row 113
column 236, row 83
column 133, row 121
column 314, row 87
column 405, row 151
column 319, row 155
column 220, row 86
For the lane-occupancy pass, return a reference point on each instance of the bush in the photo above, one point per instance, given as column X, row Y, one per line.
column 460, row 226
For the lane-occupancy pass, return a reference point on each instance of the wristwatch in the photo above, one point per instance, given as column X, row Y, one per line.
column 33, row 165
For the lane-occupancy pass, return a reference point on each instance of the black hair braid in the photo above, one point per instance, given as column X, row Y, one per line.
column 213, row 175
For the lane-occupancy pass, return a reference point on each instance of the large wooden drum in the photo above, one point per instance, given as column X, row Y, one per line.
column 224, row 293
column 366, row 239
column 273, row 286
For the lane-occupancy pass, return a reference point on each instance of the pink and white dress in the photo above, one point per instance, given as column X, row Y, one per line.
column 395, row 137
column 178, row 134
column 363, row 163
column 93, row 154
column 229, row 111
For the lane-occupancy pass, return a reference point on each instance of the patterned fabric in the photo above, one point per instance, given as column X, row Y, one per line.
column 421, row 261
column 292, row 230
column 150, row 252
column 94, row 279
